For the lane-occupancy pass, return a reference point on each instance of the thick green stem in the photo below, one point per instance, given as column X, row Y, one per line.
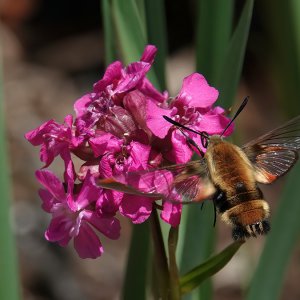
column 174, row 275
column 160, row 257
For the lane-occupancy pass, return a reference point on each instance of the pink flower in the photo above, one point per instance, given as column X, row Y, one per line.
column 119, row 161
column 192, row 108
column 119, row 132
column 58, row 139
column 96, row 108
column 73, row 214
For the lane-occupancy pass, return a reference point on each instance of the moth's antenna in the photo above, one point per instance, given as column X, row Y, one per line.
column 242, row 106
column 192, row 142
column 186, row 128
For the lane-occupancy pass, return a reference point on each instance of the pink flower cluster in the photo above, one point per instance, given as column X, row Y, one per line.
column 118, row 128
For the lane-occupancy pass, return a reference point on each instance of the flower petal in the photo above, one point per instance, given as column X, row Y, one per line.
column 89, row 192
column 140, row 155
column 149, row 54
column 51, row 183
column 137, row 208
column 215, row 124
column 148, row 89
column 171, row 213
column 133, row 75
column 59, row 229
column 119, row 122
column 180, row 152
column 112, row 73
column 47, row 199
column 87, row 243
column 108, row 203
column 135, row 103
column 109, row 226
column 196, row 92
column 106, row 166
column 35, row 136
column 81, row 105
column 155, row 121
column 104, row 143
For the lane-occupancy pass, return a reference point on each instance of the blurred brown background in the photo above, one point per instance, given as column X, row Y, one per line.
column 52, row 53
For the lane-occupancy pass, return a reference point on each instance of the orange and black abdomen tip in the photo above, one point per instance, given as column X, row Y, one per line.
column 245, row 211
column 240, row 232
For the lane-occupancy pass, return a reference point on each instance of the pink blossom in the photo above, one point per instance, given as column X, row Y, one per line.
column 119, row 132
column 117, row 81
column 58, row 139
column 122, row 160
column 73, row 215
column 192, row 108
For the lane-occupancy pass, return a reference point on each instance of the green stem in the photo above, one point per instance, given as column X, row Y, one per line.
column 174, row 276
column 161, row 262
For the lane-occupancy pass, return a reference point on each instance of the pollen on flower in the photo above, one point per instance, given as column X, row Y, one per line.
column 119, row 129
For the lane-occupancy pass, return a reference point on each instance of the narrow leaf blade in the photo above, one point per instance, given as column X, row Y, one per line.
column 214, row 25
column 109, row 35
column 157, row 35
column 234, row 58
column 131, row 32
column 196, row 276
column 130, row 29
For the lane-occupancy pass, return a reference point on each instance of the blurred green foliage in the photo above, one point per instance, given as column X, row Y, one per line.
column 9, row 282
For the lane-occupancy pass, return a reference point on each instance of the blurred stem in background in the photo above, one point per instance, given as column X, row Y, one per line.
column 281, row 21
column 9, row 282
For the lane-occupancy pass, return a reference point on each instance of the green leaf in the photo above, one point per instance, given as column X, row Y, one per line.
column 135, row 284
column 9, row 283
column 109, row 35
column 157, row 35
column 131, row 32
column 130, row 29
column 267, row 280
column 214, row 25
column 196, row 276
column 229, row 77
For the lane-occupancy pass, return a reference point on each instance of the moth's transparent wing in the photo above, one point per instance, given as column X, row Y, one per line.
column 178, row 183
column 274, row 153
